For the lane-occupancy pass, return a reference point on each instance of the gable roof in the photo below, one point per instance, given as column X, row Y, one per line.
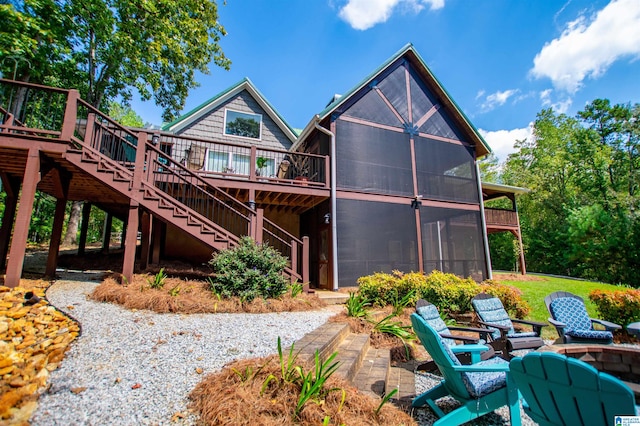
column 410, row 54
column 224, row 96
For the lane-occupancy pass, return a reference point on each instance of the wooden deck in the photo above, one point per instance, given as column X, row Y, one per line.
column 52, row 141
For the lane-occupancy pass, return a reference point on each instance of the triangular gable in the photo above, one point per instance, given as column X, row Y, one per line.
column 449, row 111
column 212, row 104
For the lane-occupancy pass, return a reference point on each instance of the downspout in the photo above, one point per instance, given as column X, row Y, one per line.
column 334, row 223
column 485, row 237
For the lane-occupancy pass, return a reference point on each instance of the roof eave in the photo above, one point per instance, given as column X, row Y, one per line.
column 482, row 147
column 505, row 188
column 222, row 97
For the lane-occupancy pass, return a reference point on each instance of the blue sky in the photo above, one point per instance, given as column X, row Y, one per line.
column 502, row 61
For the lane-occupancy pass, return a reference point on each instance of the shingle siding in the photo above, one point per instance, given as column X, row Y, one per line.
column 211, row 126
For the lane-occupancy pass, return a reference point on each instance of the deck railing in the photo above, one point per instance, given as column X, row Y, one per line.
column 500, row 217
column 222, row 159
column 35, row 111
column 31, row 109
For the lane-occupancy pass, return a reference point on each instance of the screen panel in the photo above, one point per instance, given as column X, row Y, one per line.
column 422, row 100
column 445, row 171
column 440, row 124
column 372, row 108
column 373, row 160
column 452, row 242
column 374, row 237
column 394, row 88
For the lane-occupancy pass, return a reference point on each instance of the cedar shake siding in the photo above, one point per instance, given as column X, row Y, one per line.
column 211, row 126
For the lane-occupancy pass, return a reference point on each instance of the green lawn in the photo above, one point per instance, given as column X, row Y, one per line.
column 534, row 293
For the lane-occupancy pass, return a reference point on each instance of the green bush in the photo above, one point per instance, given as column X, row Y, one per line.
column 382, row 289
column 450, row 293
column 619, row 306
column 248, row 271
column 511, row 297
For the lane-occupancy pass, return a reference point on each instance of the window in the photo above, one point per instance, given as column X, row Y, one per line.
column 228, row 162
column 242, row 124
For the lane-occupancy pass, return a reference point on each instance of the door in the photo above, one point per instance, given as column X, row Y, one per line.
column 324, row 276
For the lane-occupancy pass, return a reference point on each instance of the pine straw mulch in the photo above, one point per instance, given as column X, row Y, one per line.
column 509, row 276
column 229, row 397
column 400, row 351
column 193, row 297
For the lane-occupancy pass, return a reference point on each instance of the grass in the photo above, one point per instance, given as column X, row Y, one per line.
column 534, row 292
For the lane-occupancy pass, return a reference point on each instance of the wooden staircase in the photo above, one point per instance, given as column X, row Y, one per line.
column 151, row 198
column 367, row 368
column 95, row 158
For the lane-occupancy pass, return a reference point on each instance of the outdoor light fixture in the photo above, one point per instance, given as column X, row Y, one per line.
column 416, row 202
column 155, row 139
column 327, row 218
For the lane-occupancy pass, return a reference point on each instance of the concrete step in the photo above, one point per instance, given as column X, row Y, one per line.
column 325, row 339
column 369, row 369
column 372, row 377
column 332, row 297
column 402, row 377
column 351, row 352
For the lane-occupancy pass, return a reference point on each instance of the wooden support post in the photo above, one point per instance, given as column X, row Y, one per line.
column 305, row 264
column 106, row 233
column 294, row 257
column 419, row 241
column 131, row 241
column 56, row 236
column 145, row 240
column 11, row 186
column 156, row 231
column 70, row 113
column 21, row 228
column 252, row 163
column 84, row 228
column 259, row 225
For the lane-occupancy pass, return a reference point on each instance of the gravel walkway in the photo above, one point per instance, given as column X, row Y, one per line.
column 137, row 367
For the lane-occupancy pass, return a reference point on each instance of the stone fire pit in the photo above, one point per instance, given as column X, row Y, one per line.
column 622, row 362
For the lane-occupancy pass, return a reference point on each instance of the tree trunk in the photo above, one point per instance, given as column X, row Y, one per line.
column 70, row 237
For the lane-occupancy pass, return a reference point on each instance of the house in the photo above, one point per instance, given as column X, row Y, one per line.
column 383, row 178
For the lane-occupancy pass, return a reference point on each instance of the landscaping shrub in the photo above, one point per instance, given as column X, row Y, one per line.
column 619, row 306
column 450, row 293
column 511, row 297
column 248, row 271
column 383, row 289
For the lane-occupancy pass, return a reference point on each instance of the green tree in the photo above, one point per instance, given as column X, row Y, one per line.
column 489, row 167
column 108, row 48
column 124, row 115
column 580, row 218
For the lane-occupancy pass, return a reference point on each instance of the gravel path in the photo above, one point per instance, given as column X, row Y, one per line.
column 97, row 383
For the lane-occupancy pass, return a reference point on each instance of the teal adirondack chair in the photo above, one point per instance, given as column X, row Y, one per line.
column 480, row 388
column 559, row 390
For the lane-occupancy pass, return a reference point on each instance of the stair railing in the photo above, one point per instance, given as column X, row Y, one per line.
column 42, row 112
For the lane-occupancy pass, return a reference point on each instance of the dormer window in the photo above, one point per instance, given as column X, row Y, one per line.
column 242, row 124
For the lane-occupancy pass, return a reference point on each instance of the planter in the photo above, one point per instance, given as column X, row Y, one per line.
column 303, row 180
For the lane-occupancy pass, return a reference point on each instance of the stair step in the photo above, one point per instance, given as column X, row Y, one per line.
column 332, row 297
column 351, row 352
column 402, row 377
column 373, row 375
column 325, row 339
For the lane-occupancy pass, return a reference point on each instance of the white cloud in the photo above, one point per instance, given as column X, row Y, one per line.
column 558, row 106
column 364, row 14
column 496, row 99
column 501, row 141
column 588, row 46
